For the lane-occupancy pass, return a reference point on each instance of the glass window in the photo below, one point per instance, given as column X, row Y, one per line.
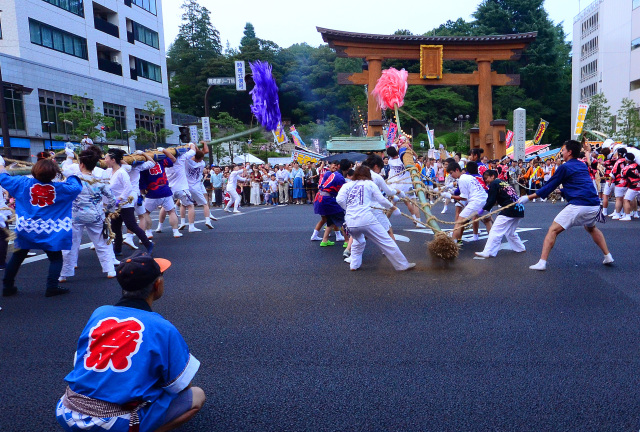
column 636, row 3
column 635, row 43
column 74, row 6
column 117, row 112
column 15, row 109
column 58, row 44
column 148, row 5
column 36, row 36
column 56, row 39
column 144, row 120
column 47, row 39
column 145, row 35
column 148, row 70
column 51, row 106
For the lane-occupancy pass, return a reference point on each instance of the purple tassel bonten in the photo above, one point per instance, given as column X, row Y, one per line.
column 266, row 105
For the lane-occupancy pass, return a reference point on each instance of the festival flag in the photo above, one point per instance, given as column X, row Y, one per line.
column 316, row 144
column 432, row 135
column 509, row 138
column 580, row 117
column 280, row 135
column 542, row 128
column 296, row 137
column 391, row 134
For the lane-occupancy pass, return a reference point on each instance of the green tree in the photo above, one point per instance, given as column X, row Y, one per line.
column 628, row 130
column 197, row 31
column 86, row 119
column 197, row 42
column 599, row 115
column 545, row 67
column 156, row 134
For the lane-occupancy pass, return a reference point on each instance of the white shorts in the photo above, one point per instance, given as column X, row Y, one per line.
column 631, row 194
column 150, row 204
column 198, row 195
column 184, row 196
column 620, row 191
column 472, row 207
column 607, row 189
column 574, row 215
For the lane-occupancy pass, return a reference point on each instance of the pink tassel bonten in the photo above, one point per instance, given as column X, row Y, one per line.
column 391, row 88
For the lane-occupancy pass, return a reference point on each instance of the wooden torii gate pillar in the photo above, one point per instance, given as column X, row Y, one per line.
column 432, row 51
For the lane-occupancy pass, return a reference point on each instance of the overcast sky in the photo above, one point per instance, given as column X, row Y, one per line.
column 287, row 22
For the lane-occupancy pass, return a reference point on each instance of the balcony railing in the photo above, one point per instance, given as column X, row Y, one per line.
column 130, row 37
column 106, row 26
column 109, row 66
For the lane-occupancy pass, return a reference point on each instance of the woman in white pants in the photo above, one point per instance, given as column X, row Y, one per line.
column 232, row 184
column 88, row 213
column 357, row 197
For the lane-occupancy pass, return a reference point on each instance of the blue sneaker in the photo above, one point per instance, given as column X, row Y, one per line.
column 150, row 248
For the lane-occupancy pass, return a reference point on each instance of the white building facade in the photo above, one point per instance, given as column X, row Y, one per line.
column 109, row 51
column 606, row 53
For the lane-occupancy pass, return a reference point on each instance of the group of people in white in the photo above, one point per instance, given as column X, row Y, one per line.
column 362, row 194
column 130, row 192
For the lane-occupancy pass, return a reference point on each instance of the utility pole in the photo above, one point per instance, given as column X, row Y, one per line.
column 206, row 114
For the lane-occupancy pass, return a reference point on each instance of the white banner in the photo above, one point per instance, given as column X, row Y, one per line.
column 193, row 132
column 206, row 129
column 241, row 84
column 519, row 131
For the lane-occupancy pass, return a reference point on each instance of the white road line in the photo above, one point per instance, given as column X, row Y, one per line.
column 43, row 256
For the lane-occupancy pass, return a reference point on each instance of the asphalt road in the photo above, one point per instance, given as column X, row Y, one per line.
column 291, row 340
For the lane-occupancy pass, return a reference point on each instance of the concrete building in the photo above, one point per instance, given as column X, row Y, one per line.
column 606, row 53
column 109, row 51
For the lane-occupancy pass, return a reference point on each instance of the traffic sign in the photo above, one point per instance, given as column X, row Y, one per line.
column 221, row 81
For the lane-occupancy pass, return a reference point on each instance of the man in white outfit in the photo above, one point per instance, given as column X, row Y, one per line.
column 470, row 190
column 195, row 168
column 232, row 184
column 282, row 177
column 177, row 175
column 357, row 197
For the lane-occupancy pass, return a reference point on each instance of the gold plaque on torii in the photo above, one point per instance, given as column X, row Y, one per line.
column 431, row 61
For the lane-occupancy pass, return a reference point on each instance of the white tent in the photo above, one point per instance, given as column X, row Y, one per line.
column 247, row 157
column 240, row 159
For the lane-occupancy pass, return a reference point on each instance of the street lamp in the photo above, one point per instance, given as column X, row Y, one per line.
column 461, row 119
column 126, row 139
column 49, row 124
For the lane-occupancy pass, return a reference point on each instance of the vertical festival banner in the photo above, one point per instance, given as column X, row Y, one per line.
column 509, row 138
column 519, row 130
column 280, row 135
column 391, row 134
column 241, row 84
column 295, row 136
column 580, row 117
column 193, row 133
column 542, row 128
column 206, row 129
column 316, row 144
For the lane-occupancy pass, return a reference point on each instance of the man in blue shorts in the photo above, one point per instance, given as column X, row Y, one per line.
column 132, row 368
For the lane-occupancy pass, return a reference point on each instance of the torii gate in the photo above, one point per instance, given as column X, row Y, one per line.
column 431, row 51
